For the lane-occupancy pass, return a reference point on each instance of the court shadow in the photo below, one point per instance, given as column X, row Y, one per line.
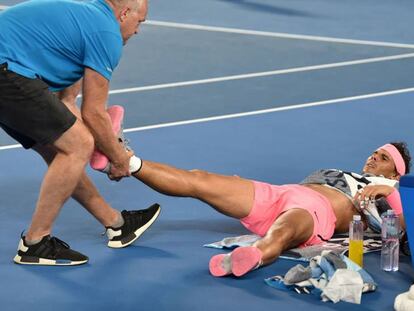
column 134, row 252
column 267, row 8
column 225, row 226
column 60, row 278
column 252, row 284
column 82, row 282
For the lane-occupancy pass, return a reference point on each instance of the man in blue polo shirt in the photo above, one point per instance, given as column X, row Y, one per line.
column 49, row 49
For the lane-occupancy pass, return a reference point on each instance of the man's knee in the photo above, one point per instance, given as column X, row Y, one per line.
column 199, row 174
column 292, row 228
column 276, row 240
column 284, row 232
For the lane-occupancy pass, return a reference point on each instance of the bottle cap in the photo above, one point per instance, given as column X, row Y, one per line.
column 390, row 212
column 357, row 217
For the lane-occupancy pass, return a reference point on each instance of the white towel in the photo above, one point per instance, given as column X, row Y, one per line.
column 405, row 301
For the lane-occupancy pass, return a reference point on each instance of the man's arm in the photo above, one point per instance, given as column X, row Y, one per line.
column 94, row 115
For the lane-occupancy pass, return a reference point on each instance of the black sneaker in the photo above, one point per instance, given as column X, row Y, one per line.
column 135, row 224
column 49, row 251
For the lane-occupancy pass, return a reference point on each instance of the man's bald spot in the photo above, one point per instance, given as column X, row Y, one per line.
column 135, row 5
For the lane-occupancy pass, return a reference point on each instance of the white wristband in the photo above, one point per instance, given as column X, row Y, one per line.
column 135, row 164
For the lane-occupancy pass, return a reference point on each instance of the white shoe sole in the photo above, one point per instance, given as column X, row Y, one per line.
column 138, row 233
column 47, row 262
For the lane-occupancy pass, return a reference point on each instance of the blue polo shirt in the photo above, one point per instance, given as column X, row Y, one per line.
column 55, row 40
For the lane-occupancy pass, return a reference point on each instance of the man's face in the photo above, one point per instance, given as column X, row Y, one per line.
column 381, row 163
column 130, row 21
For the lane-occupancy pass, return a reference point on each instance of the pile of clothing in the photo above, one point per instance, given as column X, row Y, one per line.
column 331, row 276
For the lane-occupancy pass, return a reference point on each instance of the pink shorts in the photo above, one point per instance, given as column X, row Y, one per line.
column 271, row 201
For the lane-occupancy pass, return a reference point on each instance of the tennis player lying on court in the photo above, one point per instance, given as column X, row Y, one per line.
column 286, row 216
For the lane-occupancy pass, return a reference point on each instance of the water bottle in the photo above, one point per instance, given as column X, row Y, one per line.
column 390, row 241
column 356, row 240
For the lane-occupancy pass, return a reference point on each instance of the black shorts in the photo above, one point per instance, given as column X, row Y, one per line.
column 29, row 112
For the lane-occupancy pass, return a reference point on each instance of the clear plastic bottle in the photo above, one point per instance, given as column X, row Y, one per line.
column 356, row 240
column 390, row 241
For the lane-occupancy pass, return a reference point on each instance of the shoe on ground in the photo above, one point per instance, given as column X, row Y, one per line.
column 220, row 265
column 135, row 224
column 239, row 262
column 49, row 251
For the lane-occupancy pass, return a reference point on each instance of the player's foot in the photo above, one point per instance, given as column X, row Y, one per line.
column 238, row 262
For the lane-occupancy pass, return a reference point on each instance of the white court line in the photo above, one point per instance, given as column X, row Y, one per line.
column 266, row 73
column 10, row 147
column 271, row 34
column 270, row 110
column 278, row 34
column 250, row 113
column 262, row 74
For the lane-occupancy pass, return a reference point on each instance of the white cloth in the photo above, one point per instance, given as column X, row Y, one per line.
column 405, row 301
column 345, row 285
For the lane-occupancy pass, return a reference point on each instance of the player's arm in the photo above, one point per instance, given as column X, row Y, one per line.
column 391, row 194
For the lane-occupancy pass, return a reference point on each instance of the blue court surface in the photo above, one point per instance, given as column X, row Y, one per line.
column 267, row 90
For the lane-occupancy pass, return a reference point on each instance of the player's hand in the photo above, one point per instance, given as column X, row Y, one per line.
column 371, row 193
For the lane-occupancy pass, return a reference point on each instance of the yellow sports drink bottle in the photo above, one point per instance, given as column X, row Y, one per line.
column 356, row 240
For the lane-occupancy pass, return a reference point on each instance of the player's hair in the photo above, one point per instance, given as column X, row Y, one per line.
column 405, row 153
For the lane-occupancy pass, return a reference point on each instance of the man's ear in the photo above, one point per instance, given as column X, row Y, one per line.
column 123, row 14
